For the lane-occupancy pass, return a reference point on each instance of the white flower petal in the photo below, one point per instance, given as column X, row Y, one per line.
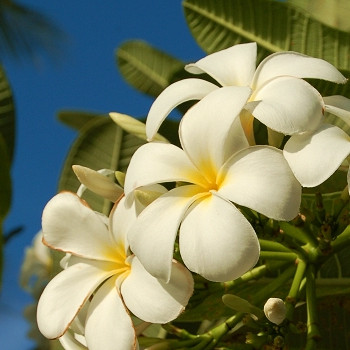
column 208, row 131
column 259, row 178
column 232, row 66
column 65, row 295
column 339, row 106
column 171, row 97
column 217, row 241
column 314, row 157
column 159, row 162
column 156, row 228
column 288, row 105
column 108, row 324
column 69, row 225
column 70, row 343
column 121, row 219
column 296, row 65
column 153, row 300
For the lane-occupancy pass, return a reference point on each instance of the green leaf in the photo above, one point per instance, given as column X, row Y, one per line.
column 7, row 115
column 5, row 181
column 274, row 25
column 101, row 144
column 77, row 119
column 241, row 305
column 146, row 68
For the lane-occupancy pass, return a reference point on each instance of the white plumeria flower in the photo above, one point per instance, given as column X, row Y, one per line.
column 217, row 166
column 101, row 268
column 315, row 156
column 280, row 99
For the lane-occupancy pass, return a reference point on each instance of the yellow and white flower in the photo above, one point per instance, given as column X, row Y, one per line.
column 101, row 271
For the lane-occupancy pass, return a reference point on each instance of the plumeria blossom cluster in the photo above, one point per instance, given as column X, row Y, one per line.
column 124, row 265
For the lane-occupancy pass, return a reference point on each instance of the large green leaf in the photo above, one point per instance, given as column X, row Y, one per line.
column 5, row 181
column 77, row 119
column 275, row 26
column 101, row 144
column 7, row 115
column 145, row 67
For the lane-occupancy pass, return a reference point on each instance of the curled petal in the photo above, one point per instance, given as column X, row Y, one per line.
column 232, row 66
column 158, row 225
column 288, row 105
column 66, row 294
column 159, row 162
column 69, row 225
column 69, row 342
column 339, row 106
column 217, row 241
column 314, row 157
column 296, row 65
column 153, row 300
column 108, row 324
column 210, row 131
column 171, row 97
column 260, row 178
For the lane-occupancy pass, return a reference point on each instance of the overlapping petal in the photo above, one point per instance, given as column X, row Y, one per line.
column 70, row 343
column 339, row 106
column 232, row 66
column 314, row 157
column 217, row 241
column 260, row 178
column 153, row 300
column 288, row 105
column 156, row 228
column 208, row 132
column 160, row 162
column 65, row 295
column 108, row 324
column 296, row 65
column 171, row 97
column 63, row 230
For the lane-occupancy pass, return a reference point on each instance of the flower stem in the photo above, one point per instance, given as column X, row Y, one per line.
column 313, row 333
column 299, row 234
column 342, row 241
column 294, row 289
column 286, row 256
column 273, row 246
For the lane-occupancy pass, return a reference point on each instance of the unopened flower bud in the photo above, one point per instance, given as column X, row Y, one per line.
column 275, row 310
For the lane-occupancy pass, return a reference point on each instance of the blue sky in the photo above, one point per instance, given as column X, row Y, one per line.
column 83, row 77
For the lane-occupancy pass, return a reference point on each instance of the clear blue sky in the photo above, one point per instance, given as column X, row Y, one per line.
column 84, row 77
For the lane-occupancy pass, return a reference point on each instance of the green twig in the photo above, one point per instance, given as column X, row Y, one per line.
column 313, row 333
column 342, row 241
column 298, row 234
column 286, row 256
column 273, row 246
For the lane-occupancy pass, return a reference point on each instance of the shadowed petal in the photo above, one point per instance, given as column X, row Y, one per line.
column 339, row 106
column 65, row 295
column 260, row 178
column 69, row 225
column 153, row 300
column 171, row 97
column 217, row 241
column 232, row 66
column 296, row 65
column 108, row 324
column 70, row 343
column 156, row 228
column 288, row 105
column 210, row 131
column 159, row 162
column 314, row 157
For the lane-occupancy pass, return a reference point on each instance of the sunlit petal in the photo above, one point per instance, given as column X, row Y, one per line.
column 232, row 66
column 288, row 105
column 65, row 295
column 159, row 162
column 296, row 65
column 339, row 106
column 171, row 97
column 153, row 300
column 108, row 324
column 210, row 131
column 69, row 225
column 315, row 157
column 217, row 241
column 156, row 228
column 259, row 178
